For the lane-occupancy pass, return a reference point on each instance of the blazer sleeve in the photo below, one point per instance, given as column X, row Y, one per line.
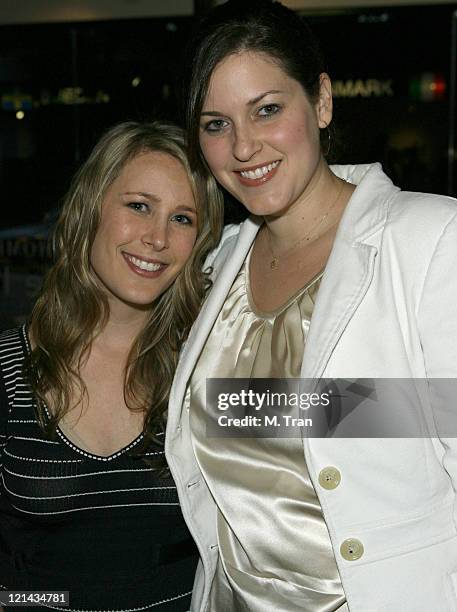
column 437, row 319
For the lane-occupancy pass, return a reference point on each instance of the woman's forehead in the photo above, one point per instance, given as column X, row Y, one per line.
column 246, row 74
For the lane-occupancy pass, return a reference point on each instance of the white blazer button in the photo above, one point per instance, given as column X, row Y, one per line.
column 329, row 478
column 351, row 549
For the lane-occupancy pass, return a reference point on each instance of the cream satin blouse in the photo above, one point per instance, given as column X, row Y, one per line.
column 274, row 548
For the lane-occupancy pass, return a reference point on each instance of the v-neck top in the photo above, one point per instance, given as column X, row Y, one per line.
column 107, row 529
column 274, row 547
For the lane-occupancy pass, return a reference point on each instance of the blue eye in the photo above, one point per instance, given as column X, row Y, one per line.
column 138, row 206
column 269, row 109
column 216, row 125
column 182, row 219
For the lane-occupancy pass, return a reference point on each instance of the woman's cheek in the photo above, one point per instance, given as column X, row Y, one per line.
column 292, row 136
column 215, row 152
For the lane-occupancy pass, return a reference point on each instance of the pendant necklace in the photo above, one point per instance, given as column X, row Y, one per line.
column 275, row 259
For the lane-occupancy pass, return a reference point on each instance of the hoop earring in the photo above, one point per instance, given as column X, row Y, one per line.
column 329, row 141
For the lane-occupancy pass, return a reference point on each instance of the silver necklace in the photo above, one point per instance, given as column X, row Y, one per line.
column 275, row 259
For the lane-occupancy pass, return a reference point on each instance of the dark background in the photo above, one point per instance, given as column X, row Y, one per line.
column 393, row 72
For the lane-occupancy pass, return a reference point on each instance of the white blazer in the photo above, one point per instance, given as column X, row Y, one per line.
column 386, row 307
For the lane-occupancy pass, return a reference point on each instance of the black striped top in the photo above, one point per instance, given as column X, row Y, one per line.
column 106, row 529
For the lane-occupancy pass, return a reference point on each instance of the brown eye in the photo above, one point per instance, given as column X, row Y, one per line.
column 138, row 206
column 216, row 125
column 269, row 109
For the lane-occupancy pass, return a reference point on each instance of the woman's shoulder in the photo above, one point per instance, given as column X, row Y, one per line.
column 12, row 343
column 412, row 213
column 12, row 353
column 374, row 185
column 406, row 226
column 420, row 228
column 13, row 349
column 421, row 219
column 434, row 208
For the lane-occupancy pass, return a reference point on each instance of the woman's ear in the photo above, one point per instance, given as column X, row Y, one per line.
column 324, row 105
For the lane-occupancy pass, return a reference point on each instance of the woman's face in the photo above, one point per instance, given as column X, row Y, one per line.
column 259, row 133
column 147, row 230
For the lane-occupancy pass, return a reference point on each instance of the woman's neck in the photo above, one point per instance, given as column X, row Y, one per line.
column 120, row 332
column 318, row 209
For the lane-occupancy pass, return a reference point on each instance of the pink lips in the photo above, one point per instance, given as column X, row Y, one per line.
column 257, row 181
column 140, row 271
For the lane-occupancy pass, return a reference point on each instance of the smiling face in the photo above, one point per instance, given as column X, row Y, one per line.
column 147, row 230
column 259, row 133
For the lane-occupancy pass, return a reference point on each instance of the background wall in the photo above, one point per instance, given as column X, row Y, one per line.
column 48, row 11
column 69, row 69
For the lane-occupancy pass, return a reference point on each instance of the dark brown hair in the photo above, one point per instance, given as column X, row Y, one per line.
column 264, row 26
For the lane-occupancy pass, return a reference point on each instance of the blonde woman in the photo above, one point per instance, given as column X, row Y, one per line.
column 86, row 502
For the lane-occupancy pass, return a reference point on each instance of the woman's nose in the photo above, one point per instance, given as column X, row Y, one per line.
column 157, row 236
column 246, row 144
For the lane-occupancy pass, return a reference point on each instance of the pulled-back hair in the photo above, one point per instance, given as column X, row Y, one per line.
column 263, row 26
column 72, row 309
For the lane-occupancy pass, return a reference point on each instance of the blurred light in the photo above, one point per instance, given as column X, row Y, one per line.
column 440, row 86
column 20, row 115
column 427, row 87
column 102, row 97
column 136, row 81
column 382, row 18
column 16, row 102
column 71, row 95
column 171, row 27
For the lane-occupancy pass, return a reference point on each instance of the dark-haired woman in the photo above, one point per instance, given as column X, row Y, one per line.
column 86, row 505
column 337, row 274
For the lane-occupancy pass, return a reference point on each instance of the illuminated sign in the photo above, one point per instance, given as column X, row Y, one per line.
column 362, row 88
column 426, row 87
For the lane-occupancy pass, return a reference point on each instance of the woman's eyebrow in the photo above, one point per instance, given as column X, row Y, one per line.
column 212, row 113
column 255, row 100
column 187, row 209
column 145, row 194
column 262, row 95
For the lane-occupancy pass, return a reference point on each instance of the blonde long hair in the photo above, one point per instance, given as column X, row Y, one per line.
column 71, row 308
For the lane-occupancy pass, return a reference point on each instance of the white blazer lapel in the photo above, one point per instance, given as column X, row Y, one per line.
column 350, row 267
column 340, row 293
